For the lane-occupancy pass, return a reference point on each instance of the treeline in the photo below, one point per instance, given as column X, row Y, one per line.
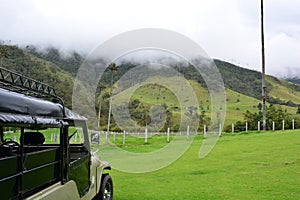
column 273, row 115
column 16, row 59
column 69, row 63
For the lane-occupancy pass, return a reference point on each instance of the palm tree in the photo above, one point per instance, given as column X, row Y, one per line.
column 113, row 68
column 264, row 96
column 101, row 87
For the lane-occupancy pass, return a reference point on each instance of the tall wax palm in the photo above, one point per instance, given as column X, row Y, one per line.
column 264, row 95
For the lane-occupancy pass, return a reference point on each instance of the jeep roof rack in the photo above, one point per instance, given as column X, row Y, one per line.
column 16, row 82
column 30, row 98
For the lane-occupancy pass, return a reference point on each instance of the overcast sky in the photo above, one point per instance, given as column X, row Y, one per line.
column 225, row 29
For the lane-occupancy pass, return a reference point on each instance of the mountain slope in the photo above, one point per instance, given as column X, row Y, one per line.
column 19, row 61
column 293, row 80
column 236, row 78
column 248, row 82
column 244, row 81
column 243, row 86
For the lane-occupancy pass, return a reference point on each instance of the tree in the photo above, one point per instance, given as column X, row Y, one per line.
column 259, row 106
column 298, row 110
column 273, row 114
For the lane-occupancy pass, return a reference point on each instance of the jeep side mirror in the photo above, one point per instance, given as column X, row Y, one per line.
column 95, row 138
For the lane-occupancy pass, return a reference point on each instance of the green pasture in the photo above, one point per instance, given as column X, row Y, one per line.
column 236, row 103
column 283, row 90
column 253, row 165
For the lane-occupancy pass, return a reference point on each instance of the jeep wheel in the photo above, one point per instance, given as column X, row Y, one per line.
column 106, row 190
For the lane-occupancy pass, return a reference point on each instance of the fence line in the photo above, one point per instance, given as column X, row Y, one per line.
column 187, row 133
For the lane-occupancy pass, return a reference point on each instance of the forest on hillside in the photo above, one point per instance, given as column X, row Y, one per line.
column 59, row 69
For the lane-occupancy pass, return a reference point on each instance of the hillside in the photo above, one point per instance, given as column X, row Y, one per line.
column 283, row 91
column 19, row 61
column 293, row 80
column 236, row 78
column 248, row 82
column 69, row 63
column 244, row 81
column 243, row 86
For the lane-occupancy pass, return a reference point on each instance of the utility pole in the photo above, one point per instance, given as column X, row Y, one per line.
column 264, row 95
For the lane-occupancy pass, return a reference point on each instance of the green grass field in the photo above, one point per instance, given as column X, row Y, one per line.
column 263, row 165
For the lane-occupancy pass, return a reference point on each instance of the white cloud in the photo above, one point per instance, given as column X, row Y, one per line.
column 283, row 54
column 225, row 29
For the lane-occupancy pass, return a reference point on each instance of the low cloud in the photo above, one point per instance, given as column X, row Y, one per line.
column 229, row 30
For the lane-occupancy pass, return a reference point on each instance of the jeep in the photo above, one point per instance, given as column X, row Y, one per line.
column 45, row 148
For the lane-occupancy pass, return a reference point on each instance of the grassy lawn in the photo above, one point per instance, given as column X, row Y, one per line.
column 244, row 166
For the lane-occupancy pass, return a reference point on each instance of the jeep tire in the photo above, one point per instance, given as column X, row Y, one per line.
column 106, row 190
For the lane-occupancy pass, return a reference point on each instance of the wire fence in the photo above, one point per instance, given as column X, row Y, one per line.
column 145, row 135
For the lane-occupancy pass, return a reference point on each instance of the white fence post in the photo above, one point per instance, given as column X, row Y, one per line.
column 146, row 135
column 293, row 124
column 54, row 138
column 273, row 126
column 232, row 128
column 168, row 135
column 204, row 131
column 124, row 137
column 246, row 126
column 187, row 132
column 258, row 125
column 220, row 129
column 283, row 125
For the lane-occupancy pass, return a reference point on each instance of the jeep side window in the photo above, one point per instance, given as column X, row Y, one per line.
column 10, row 133
column 10, row 142
column 52, row 135
column 76, row 136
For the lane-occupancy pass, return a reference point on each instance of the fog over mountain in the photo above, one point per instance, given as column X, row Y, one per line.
column 228, row 30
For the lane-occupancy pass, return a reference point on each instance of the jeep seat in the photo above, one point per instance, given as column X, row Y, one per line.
column 33, row 138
